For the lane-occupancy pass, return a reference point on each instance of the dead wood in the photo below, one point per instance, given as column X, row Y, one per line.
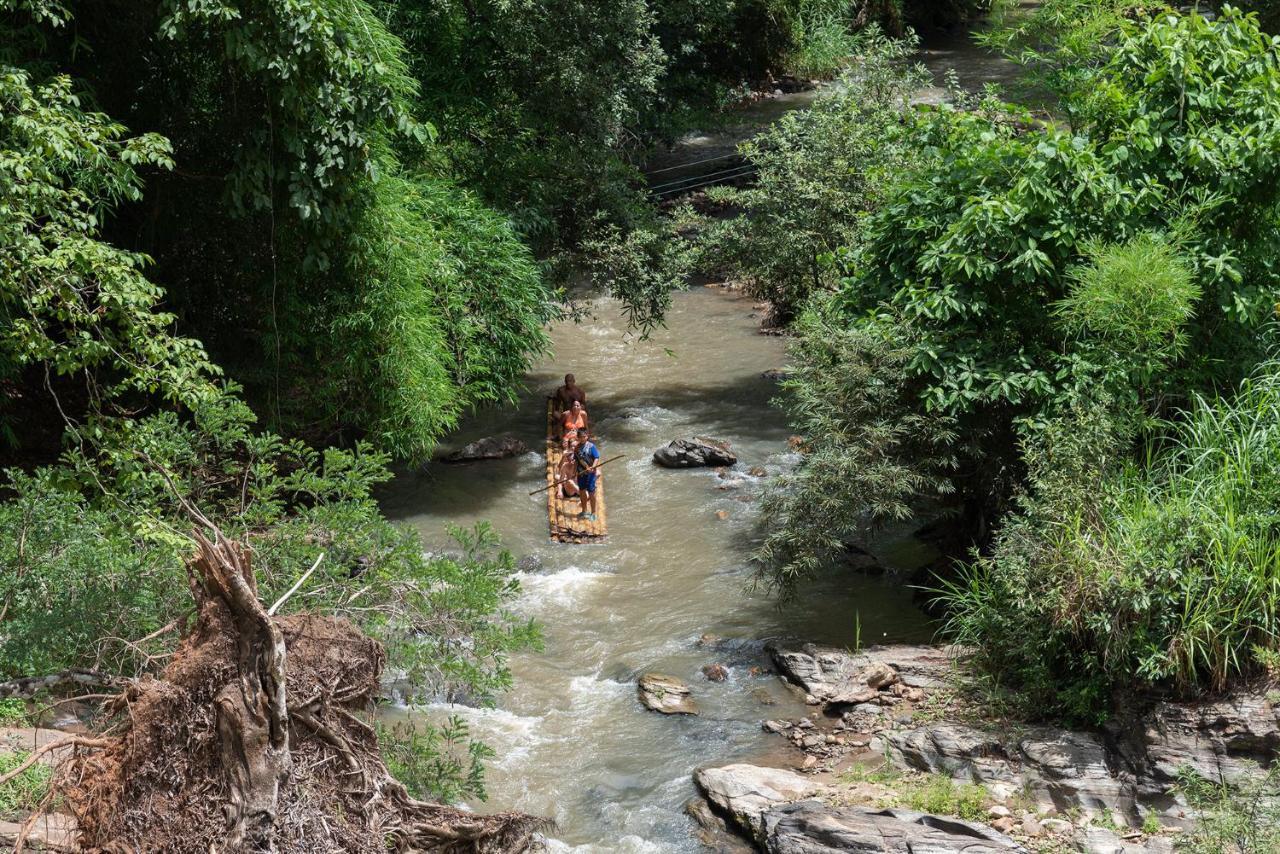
column 258, row 737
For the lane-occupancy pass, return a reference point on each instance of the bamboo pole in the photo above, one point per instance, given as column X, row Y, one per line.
column 598, row 466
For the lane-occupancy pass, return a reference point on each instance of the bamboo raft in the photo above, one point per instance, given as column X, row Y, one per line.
column 562, row 513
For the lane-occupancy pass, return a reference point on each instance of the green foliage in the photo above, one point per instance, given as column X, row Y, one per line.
column 1121, row 575
column 1127, row 309
column 1063, row 45
column 13, row 712
column 827, row 42
column 77, row 586
column 94, row 573
column 435, row 761
column 450, row 316
column 24, row 792
column 868, row 454
column 641, row 267
column 1016, row 270
column 69, row 301
column 821, row 172
column 940, row 795
column 1244, row 819
column 335, row 77
column 536, row 102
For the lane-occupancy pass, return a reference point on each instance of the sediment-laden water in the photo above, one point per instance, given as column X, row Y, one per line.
column 573, row 743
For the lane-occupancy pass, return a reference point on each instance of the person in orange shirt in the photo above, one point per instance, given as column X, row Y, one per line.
column 574, row 418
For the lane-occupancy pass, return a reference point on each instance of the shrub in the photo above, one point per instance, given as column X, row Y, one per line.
column 943, row 796
column 24, row 792
column 1243, row 820
column 1118, row 576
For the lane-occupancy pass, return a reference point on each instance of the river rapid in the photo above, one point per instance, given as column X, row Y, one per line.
column 572, row 741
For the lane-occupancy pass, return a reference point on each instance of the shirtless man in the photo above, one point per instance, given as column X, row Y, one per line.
column 565, row 396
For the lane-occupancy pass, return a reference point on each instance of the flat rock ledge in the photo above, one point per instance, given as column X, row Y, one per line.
column 695, row 452
column 812, row 827
column 777, row 810
column 1127, row 768
column 665, row 694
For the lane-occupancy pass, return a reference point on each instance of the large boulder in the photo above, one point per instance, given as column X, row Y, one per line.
column 812, row 827
column 666, row 694
column 488, row 448
column 743, row 792
column 691, row 453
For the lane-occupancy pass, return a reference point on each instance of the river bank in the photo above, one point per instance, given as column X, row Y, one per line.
column 896, row 748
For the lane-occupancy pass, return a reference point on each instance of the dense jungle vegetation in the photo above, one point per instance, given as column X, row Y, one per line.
column 251, row 254
column 1055, row 331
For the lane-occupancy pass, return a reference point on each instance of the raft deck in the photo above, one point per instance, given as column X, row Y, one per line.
column 562, row 513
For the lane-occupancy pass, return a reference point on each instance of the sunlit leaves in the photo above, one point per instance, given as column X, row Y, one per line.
column 68, row 300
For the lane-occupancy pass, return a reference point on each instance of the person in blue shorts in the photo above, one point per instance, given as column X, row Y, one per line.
column 588, row 461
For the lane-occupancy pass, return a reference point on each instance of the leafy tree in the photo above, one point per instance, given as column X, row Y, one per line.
column 869, row 454
column 966, row 264
column 821, row 173
column 70, row 302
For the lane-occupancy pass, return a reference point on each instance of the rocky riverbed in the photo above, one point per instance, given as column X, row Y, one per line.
column 895, row 757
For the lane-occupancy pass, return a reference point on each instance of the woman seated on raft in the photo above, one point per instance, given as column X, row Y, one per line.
column 574, row 419
column 567, row 470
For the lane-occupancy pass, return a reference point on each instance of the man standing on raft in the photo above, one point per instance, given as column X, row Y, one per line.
column 588, row 461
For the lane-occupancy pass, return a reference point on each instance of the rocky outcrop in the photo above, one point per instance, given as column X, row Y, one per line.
column 1127, row 769
column 1099, row 840
column 488, row 448
column 1061, row 768
column 832, row 675
column 744, row 792
column 1224, row 739
column 666, row 694
column 695, row 452
column 812, row 827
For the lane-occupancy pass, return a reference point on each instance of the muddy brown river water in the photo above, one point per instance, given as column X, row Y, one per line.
column 572, row 742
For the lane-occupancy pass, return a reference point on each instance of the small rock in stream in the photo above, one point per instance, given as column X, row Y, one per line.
column 715, row 672
column 488, row 448
column 666, row 694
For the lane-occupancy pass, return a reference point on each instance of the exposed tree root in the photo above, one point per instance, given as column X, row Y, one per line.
column 257, row 738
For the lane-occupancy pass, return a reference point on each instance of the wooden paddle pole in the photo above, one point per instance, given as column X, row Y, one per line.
column 568, row 479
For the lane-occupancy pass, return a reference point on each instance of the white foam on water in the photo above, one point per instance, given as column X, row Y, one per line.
column 542, row 590
column 513, row 736
column 626, row 845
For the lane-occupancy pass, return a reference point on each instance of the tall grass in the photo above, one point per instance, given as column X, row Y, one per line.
column 1164, row 572
column 826, row 43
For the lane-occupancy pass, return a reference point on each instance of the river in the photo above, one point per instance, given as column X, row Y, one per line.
column 572, row 741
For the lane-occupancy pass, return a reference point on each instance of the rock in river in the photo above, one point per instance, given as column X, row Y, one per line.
column 488, row 448
column 715, row 672
column 698, row 451
column 744, row 792
column 666, row 694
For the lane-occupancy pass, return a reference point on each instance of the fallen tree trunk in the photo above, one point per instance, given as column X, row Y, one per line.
column 258, row 738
